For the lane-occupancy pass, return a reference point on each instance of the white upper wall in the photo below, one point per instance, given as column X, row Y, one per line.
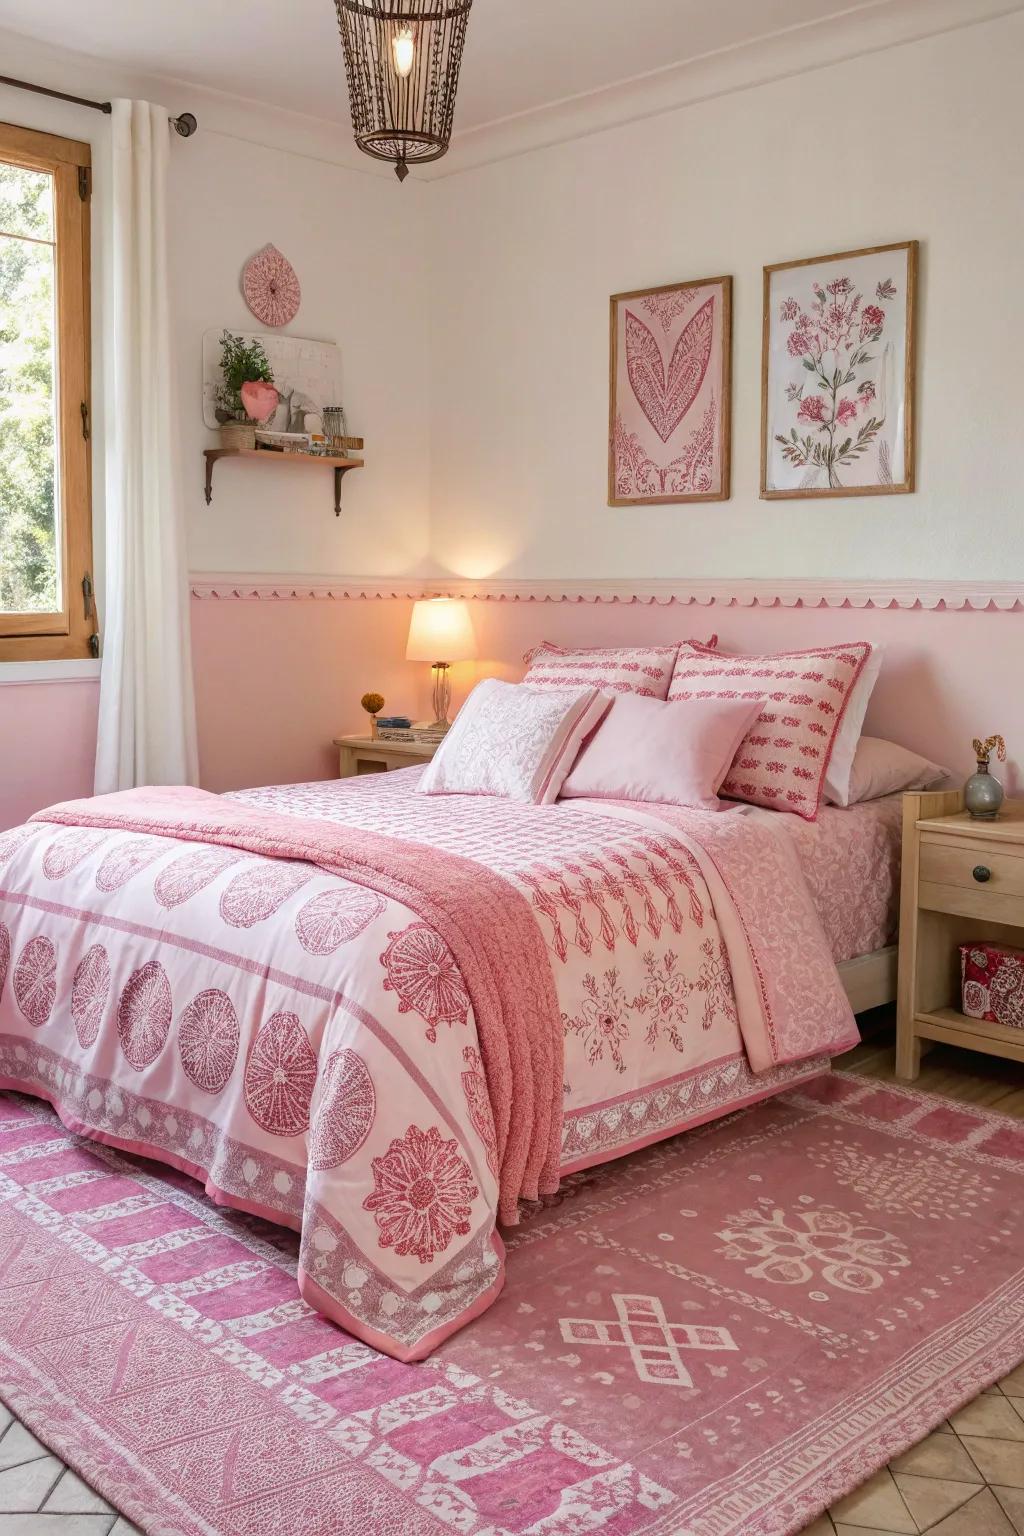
column 919, row 141
column 472, row 314
column 356, row 241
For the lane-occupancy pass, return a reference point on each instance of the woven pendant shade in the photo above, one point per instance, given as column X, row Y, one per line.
column 402, row 61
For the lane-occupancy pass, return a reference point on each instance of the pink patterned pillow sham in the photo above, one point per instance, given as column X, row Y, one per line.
column 642, row 669
column 675, row 754
column 513, row 741
column 783, row 759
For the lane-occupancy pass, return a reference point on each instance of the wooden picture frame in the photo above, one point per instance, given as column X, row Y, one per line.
column 670, row 393
column 824, row 409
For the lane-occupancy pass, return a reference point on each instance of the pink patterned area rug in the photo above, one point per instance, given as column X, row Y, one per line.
column 721, row 1334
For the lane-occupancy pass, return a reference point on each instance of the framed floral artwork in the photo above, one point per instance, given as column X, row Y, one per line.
column 837, row 389
column 669, row 415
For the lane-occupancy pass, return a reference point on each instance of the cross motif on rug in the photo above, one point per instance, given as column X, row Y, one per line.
column 653, row 1342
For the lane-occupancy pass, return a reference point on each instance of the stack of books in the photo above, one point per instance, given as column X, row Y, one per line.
column 401, row 728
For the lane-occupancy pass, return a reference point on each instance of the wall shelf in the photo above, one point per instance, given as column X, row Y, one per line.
column 338, row 464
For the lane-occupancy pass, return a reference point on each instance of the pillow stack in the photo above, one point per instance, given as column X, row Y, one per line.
column 675, row 724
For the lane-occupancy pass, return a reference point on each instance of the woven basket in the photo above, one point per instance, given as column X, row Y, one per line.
column 238, row 434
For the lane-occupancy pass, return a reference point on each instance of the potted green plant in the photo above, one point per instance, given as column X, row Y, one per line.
column 243, row 360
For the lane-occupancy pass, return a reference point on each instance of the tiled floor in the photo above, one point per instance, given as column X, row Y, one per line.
column 39, row 1496
column 967, row 1479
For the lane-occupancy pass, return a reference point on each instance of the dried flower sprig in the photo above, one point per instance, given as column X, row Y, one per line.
column 373, row 703
column 984, row 749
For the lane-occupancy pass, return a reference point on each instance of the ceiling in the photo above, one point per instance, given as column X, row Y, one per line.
column 521, row 55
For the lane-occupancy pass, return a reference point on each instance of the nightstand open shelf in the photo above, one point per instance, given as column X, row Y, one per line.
column 948, row 1026
column 963, row 880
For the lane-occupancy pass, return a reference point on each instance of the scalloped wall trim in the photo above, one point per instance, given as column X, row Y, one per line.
column 1003, row 595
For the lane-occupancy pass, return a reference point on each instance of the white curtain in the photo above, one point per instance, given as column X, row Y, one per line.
column 147, row 712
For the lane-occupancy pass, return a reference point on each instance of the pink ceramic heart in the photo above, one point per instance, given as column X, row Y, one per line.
column 260, row 400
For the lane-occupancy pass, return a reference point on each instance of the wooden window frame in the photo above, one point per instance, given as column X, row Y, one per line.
column 70, row 632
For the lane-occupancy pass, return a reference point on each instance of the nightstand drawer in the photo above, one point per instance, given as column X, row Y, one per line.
column 974, row 866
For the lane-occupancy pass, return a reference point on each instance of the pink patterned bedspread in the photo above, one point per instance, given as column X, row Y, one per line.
column 324, row 1067
column 851, row 862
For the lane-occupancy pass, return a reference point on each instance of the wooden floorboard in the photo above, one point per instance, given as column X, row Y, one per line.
column 968, row 1076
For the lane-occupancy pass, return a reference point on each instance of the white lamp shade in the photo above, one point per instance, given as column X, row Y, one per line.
column 441, row 630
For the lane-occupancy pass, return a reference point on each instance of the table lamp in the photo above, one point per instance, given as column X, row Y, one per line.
column 441, row 627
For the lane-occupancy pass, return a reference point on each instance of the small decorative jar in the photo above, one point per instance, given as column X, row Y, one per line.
column 335, row 428
column 983, row 793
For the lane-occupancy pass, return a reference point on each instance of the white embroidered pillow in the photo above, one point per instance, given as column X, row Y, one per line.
column 514, row 741
column 784, row 757
column 643, row 669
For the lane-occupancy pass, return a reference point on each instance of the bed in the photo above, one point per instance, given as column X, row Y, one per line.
column 315, row 998
column 850, row 858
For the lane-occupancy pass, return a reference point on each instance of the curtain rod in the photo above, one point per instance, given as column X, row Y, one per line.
column 184, row 125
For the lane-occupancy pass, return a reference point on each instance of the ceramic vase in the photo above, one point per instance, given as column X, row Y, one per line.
column 983, row 794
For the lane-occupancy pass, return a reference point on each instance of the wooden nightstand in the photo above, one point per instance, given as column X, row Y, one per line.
column 364, row 754
column 962, row 879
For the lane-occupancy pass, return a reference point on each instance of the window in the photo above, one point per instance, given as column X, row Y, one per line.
column 46, row 608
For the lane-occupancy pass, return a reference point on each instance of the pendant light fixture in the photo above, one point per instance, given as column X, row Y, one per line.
column 402, row 61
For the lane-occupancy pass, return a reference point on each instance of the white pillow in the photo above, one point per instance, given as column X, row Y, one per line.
column 513, row 741
column 883, row 768
column 840, row 764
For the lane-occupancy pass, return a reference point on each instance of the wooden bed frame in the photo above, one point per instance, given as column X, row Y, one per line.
column 870, row 980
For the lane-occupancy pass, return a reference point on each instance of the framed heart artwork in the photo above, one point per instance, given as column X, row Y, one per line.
column 670, row 393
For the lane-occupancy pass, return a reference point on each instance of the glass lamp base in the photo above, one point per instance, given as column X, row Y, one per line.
column 442, row 694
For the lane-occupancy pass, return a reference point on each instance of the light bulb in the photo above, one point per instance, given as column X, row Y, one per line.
column 403, row 46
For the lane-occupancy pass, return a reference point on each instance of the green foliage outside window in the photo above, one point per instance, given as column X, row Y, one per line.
column 28, row 534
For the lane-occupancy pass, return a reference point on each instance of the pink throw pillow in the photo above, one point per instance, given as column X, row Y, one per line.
column 513, row 741
column 783, row 759
column 676, row 754
column 883, row 768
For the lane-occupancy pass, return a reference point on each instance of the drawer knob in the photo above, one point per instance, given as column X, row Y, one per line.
column 981, row 873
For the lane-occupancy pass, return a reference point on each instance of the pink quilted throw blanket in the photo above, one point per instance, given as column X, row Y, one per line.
column 483, row 920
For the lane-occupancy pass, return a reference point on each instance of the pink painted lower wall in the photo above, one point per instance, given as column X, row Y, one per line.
column 947, row 675
column 47, row 745
column 276, row 679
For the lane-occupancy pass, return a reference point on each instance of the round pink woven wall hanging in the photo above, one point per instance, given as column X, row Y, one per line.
column 270, row 287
